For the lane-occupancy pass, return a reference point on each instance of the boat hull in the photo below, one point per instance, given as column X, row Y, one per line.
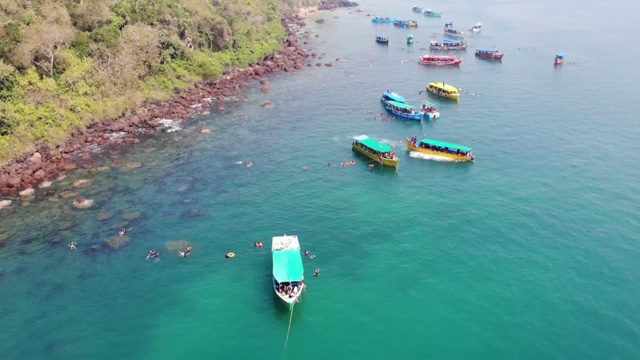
column 490, row 56
column 432, row 115
column 444, row 95
column 454, row 35
column 385, row 162
column 446, row 48
column 439, row 63
column 381, row 41
column 287, row 300
column 436, row 153
column 418, row 116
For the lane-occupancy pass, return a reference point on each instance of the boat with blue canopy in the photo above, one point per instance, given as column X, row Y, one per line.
column 383, row 153
column 386, row 20
column 431, row 13
column 440, row 149
column 476, row 28
column 450, row 31
column 288, row 271
column 559, row 59
column 404, row 110
column 392, row 96
column 448, row 44
column 382, row 39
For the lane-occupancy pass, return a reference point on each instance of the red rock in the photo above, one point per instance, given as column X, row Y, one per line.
column 85, row 157
column 36, row 158
column 153, row 123
column 131, row 141
column 39, row 175
column 14, row 181
column 67, row 166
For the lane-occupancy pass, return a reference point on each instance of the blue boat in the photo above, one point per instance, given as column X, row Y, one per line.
column 386, row 20
column 392, row 96
column 433, row 14
column 382, row 39
column 397, row 105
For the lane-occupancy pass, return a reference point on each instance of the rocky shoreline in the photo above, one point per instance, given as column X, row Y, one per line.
column 20, row 176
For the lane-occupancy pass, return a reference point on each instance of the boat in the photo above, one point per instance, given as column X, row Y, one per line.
column 453, row 33
column 288, row 272
column 439, row 60
column 382, row 39
column 448, row 45
column 406, row 23
column 403, row 110
column 489, row 54
column 430, row 13
column 392, row 96
column 476, row 28
column 559, row 59
column 444, row 90
column 430, row 111
column 375, row 150
column 380, row 20
column 417, row 9
column 440, row 149
column 410, row 39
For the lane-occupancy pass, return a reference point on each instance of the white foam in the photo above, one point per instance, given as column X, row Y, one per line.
column 423, row 156
column 170, row 125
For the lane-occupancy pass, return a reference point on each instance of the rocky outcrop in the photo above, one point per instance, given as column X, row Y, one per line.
column 333, row 4
column 46, row 163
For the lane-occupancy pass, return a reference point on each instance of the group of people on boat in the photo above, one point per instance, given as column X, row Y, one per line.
column 381, row 155
column 428, row 109
column 439, row 91
column 443, row 149
column 290, row 288
column 407, row 111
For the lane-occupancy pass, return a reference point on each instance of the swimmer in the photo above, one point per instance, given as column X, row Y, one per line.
column 186, row 252
column 329, row 164
column 122, row 232
column 152, row 254
column 371, row 165
column 317, row 272
column 73, row 245
column 259, row 245
column 353, row 162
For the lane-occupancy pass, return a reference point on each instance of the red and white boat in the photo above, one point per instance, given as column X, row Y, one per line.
column 489, row 54
column 439, row 60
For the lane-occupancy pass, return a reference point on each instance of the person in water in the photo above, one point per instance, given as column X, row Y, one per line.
column 152, row 254
column 317, row 272
column 73, row 245
column 122, row 231
column 186, row 252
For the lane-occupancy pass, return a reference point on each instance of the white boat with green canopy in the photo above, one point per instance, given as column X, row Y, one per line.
column 288, row 271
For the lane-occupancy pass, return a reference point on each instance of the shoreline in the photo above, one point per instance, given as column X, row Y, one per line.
column 21, row 175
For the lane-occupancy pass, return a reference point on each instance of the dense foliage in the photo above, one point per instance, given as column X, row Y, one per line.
column 65, row 63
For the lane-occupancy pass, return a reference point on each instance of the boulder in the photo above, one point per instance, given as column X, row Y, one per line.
column 81, row 203
column 39, row 175
column 205, row 131
column 45, row 184
column 36, row 158
column 27, row 192
column 104, row 215
column 132, row 215
column 4, row 203
column 82, row 183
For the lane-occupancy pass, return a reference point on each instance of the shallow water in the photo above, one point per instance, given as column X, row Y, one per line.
column 530, row 252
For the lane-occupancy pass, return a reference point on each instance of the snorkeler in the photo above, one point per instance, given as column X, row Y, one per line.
column 186, row 252
column 122, row 231
column 73, row 245
column 152, row 254
column 317, row 272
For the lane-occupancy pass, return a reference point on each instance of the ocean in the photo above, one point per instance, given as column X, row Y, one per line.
column 530, row 252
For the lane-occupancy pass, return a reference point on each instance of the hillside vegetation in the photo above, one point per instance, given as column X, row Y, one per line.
column 65, row 63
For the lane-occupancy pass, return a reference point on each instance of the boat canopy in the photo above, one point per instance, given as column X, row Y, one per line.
column 410, row 36
column 401, row 105
column 373, row 144
column 287, row 266
column 478, row 25
column 487, row 51
column 428, row 103
column 560, row 55
column 395, row 97
column 450, row 23
column 444, row 144
column 441, row 85
column 449, row 41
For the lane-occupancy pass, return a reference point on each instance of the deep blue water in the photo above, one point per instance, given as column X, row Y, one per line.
column 530, row 252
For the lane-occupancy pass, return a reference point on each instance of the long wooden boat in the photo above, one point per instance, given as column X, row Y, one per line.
column 433, row 14
column 439, row 60
column 430, row 111
column 440, row 149
column 444, row 90
column 288, row 271
column 392, row 96
column 375, row 150
column 382, row 39
column 448, row 44
column 386, row 20
column 489, row 54
column 559, row 60
column 404, row 110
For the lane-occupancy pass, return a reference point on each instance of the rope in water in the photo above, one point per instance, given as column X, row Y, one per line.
column 288, row 331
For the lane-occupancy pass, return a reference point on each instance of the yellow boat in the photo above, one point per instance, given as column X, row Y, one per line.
column 444, row 90
column 441, row 149
column 375, row 150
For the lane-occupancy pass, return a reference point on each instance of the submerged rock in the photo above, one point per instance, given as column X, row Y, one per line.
column 176, row 245
column 3, row 238
column 117, row 241
column 27, row 192
column 81, row 203
column 82, row 183
column 68, row 193
column 132, row 165
column 104, row 215
column 131, row 215
column 120, row 225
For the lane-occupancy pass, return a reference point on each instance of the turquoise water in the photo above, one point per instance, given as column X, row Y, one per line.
column 530, row 252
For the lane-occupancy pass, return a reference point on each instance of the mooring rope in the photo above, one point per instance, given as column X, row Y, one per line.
column 288, row 331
